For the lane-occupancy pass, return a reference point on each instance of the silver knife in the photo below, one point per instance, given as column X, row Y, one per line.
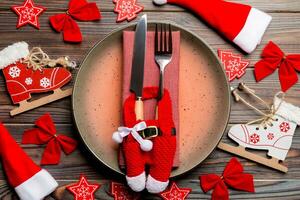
column 138, row 61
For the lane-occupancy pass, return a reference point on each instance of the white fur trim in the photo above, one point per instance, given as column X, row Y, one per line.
column 154, row 186
column 37, row 187
column 160, row 2
column 13, row 53
column 251, row 34
column 137, row 183
column 287, row 111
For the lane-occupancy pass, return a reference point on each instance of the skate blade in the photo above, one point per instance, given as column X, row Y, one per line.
column 26, row 106
column 240, row 151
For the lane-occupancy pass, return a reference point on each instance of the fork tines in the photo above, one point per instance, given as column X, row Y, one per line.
column 163, row 44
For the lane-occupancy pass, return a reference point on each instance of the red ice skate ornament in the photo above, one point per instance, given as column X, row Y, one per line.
column 28, row 14
column 28, row 72
column 239, row 23
column 273, row 58
column 233, row 176
column 273, row 132
column 46, row 133
column 234, row 65
column 155, row 145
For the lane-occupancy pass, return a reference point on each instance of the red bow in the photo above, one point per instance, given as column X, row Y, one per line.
column 46, row 134
column 80, row 10
column 233, row 176
column 273, row 57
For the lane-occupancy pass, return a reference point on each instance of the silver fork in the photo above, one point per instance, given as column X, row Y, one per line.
column 163, row 54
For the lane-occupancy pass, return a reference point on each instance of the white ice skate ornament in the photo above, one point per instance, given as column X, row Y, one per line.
column 273, row 132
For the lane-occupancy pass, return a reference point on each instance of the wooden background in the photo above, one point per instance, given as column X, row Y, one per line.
column 284, row 30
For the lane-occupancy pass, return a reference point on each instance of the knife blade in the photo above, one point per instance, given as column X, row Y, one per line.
column 138, row 61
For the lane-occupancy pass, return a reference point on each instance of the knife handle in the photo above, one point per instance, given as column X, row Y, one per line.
column 139, row 109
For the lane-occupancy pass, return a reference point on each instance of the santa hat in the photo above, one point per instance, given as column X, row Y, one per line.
column 13, row 53
column 28, row 179
column 239, row 23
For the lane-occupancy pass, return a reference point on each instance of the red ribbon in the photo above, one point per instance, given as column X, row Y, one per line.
column 273, row 57
column 80, row 10
column 46, row 133
column 233, row 177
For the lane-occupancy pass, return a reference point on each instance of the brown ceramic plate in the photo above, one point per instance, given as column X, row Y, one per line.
column 204, row 99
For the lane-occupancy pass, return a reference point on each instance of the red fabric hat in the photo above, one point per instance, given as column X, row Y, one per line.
column 28, row 179
column 239, row 23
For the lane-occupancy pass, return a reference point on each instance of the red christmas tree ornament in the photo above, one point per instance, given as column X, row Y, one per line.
column 122, row 192
column 175, row 193
column 28, row 13
column 83, row 190
column 46, row 133
column 272, row 58
column 234, row 65
column 233, row 176
column 80, row 10
column 127, row 9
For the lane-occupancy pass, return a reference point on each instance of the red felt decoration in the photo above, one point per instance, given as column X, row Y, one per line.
column 46, row 133
column 127, row 9
column 234, row 65
column 160, row 158
column 79, row 10
column 28, row 13
column 175, row 193
column 83, row 190
column 233, row 176
column 273, row 57
column 122, row 192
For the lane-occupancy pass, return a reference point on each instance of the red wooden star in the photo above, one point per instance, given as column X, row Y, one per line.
column 83, row 190
column 175, row 193
column 127, row 9
column 28, row 13
column 234, row 65
column 122, row 192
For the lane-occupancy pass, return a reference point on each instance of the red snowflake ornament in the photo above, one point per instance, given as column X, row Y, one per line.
column 234, row 65
column 127, row 9
column 175, row 193
column 28, row 13
column 83, row 190
column 254, row 138
column 284, row 127
column 270, row 136
column 122, row 192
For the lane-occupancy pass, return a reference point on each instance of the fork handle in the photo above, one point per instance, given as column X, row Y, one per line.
column 161, row 85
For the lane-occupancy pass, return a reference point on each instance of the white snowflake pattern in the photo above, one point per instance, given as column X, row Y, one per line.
column 234, row 65
column 44, row 82
column 28, row 13
column 127, row 6
column 14, row 72
column 284, row 127
column 28, row 81
column 83, row 191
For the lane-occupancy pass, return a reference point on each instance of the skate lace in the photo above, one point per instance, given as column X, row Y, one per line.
column 268, row 117
column 38, row 59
